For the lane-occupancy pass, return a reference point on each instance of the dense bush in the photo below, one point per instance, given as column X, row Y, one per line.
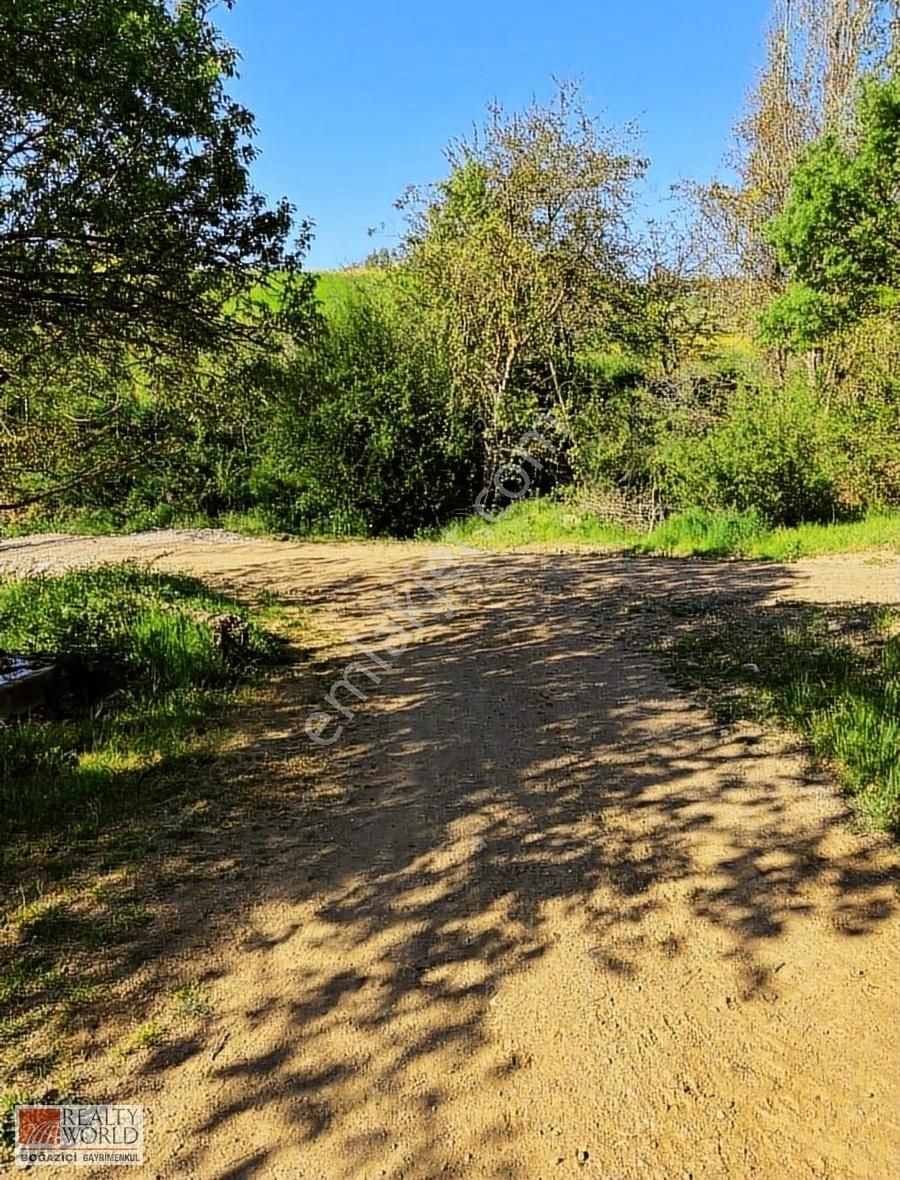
column 358, row 432
column 713, row 440
column 359, row 435
column 353, row 434
column 615, row 424
column 363, row 438
column 778, row 451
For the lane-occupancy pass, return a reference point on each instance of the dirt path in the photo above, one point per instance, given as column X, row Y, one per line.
column 532, row 914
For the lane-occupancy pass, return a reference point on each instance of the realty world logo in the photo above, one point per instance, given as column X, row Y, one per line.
column 88, row 1135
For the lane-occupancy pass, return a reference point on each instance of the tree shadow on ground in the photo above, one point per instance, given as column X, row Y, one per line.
column 523, row 764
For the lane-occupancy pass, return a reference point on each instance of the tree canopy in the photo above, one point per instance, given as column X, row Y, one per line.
column 127, row 214
column 839, row 233
column 817, row 53
column 164, row 357
column 516, row 254
column 139, row 267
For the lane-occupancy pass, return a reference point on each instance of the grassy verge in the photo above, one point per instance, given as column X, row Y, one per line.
column 830, row 674
column 143, row 667
column 537, row 520
column 743, row 534
column 106, row 522
column 696, row 533
column 100, row 522
column 94, row 785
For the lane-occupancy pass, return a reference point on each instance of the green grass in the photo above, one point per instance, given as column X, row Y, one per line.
column 831, row 674
column 104, row 522
column 698, row 533
column 143, row 673
column 104, row 797
column 695, row 533
column 873, row 532
column 537, row 520
column 709, row 534
column 336, row 288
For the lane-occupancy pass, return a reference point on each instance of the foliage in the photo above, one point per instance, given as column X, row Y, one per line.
column 362, row 438
column 720, row 435
column 862, row 367
column 133, row 247
column 128, row 213
column 518, row 289
column 669, row 312
column 627, row 410
column 776, row 451
column 615, row 434
column 518, row 255
column 816, row 53
column 839, row 232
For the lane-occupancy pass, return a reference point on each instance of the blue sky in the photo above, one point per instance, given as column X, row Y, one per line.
column 355, row 100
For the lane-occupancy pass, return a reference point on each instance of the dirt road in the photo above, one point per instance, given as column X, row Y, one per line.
column 532, row 914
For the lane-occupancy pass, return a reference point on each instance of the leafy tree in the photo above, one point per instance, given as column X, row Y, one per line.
column 517, row 255
column 839, row 234
column 817, row 51
column 132, row 243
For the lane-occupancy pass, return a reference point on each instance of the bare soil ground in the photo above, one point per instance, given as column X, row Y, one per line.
column 533, row 914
